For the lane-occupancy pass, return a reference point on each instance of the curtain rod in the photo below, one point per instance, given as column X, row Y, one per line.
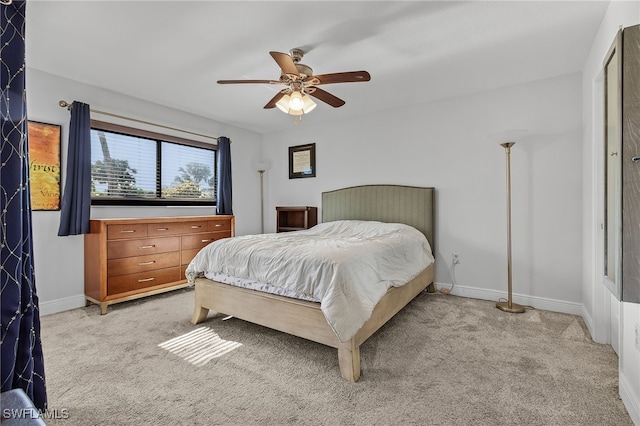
column 67, row 105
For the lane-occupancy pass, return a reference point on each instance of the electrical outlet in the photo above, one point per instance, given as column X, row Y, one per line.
column 637, row 339
column 455, row 258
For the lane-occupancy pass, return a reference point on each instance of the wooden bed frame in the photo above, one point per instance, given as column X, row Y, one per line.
column 387, row 203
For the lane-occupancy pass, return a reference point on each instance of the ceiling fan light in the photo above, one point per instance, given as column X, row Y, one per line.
column 308, row 104
column 296, row 102
column 283, row 104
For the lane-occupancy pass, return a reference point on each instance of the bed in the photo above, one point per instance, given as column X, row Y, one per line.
column 392, row 206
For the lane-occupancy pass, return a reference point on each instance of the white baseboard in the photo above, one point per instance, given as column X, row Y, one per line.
column 630, row 399
column 588, row 322
column 60, row 305
column 544, row 303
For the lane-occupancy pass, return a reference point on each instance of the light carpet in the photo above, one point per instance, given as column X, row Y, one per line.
column 443, row 360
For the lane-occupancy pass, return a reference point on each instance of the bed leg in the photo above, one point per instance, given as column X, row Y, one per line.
column 349, row 361
column 199, row 314
column 431, row 288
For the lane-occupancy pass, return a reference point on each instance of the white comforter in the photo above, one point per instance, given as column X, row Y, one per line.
column 347, row 265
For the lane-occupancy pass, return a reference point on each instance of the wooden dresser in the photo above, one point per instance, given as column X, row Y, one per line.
column 125, row 259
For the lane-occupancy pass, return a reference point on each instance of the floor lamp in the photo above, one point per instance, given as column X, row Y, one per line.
column 262, row 167
column 510, row 136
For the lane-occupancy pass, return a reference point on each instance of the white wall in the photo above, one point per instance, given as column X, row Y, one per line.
column 608, row 320
column 444, row 144
column 59, row 260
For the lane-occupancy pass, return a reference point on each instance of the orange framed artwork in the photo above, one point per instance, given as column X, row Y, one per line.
column 44, row 165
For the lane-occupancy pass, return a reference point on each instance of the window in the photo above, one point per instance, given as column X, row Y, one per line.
column 135, row 167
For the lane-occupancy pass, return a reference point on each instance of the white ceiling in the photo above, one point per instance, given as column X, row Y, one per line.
column 173, row 52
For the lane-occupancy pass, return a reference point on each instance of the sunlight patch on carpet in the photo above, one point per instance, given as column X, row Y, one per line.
column 199, row 346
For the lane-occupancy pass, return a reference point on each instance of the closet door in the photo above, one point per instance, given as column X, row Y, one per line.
column 622, row 166
column 631, row 164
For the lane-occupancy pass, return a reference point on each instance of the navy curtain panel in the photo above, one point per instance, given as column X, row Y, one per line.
column 22, row 360
column 223, row 196
column 75, row 210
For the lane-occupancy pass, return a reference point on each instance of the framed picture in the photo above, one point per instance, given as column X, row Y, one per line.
column 302, row 161
column 44, row 165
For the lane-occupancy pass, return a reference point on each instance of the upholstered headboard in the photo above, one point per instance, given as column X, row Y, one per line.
column 385, row 203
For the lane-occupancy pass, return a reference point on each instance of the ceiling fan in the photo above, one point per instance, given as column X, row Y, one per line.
column 301, row 83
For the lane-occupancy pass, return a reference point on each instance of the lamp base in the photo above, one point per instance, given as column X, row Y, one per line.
column 513, row 309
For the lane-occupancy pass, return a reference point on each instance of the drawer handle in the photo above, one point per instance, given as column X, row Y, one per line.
column 162, row 229
column 218, row 225
column 147, row 263
column 205, row 241
column 128, row 231
column 144, row 280
column 147, row 247
column 196, row 226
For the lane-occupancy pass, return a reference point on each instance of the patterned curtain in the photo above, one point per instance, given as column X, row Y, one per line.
column 223, row 198
column 22, row 360
column 75, row 210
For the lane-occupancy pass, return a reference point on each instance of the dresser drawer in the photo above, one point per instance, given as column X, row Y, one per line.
column 141, row 247
column 220, row 225
column 174, row 228
column 187, row 256
column 118, row 232
column 124, row 283
column 130, row 265
column 200, row 240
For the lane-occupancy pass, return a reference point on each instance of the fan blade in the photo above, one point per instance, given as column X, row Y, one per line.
column 274, row 100
column 327, row 97
column 285, row 63
column 343, row 77
column 249, row 81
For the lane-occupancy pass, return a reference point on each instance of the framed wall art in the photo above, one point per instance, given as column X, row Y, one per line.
column 302, row 161
column 44, row 165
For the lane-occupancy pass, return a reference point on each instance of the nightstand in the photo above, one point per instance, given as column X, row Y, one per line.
column 295, row 218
